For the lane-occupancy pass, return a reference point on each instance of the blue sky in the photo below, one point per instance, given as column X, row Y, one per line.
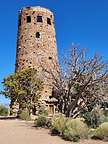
column 79, row 21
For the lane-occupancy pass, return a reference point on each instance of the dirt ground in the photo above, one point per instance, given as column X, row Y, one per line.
column 20, row 132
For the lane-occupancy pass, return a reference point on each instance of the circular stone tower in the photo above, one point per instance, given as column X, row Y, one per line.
column 36, row 44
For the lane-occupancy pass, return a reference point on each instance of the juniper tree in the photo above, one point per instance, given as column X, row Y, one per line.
column 24, row 88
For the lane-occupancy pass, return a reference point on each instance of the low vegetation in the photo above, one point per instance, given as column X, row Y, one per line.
column 101, row 132
column 69, row 129
column 72, row 129
column 24, row 115
column 3, row 110
column 58, row 125
column 41, row 121
column 75, row 129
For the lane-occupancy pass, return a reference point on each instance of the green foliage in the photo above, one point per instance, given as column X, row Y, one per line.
column 24, row 115
column 75, row 129
column 58, row 125
column 92, row 118
column 23, row 87
column 70, row 129
column 41, row 121
column 3, row 110
column 91, row 132
column 71, row 135
column 103, row 118
column 101, row 132
column 43, row 111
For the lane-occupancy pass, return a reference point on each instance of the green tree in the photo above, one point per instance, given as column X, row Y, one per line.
column 24, row 88
column 3, row 110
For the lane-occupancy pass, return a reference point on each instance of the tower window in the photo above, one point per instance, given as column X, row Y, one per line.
column 33, row 12
column 37, row 35
column 28, row 19
column 50, row 58
column 27, row 7
column 49, row 21
column 39, row 19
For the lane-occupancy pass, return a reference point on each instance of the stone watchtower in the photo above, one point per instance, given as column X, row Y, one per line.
column 36, row 46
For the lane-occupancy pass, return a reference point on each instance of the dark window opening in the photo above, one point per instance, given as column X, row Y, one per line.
column 49, row 21
column 39, row 19
column 50, row 58
column 27, row 7
column 50, row 97
column 28, row 19
column 37, row 35
column 33, row 12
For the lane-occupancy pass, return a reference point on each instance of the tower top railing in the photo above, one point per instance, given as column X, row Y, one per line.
column 36, row 8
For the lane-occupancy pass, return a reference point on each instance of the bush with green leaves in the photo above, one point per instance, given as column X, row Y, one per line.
column 43, row 111
column 3, row 110
column 24, row 115
column 58, row 125
column 91, row 132
column 70, row 129
column 75, row 129
column 101, row 132
column 43, row 121
column 71, row 135
column 103, row 118
column 92, row 119
column 40, row 121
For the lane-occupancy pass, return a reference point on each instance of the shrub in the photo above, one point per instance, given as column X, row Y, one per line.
column 58, row 124
column 75, row 129
column 41, row 121
column 92, row 118
column 43, row 111
column 24, row 115
column 3, row 110
column 103, row 119
column 101, row 132
column 49, row 122
column 91, row 132
column 71, row 135
column 69, row 129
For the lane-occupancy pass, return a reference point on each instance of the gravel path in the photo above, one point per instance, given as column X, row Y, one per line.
column 20, row 132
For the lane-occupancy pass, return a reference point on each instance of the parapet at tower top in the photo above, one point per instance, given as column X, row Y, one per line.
column 37, row 8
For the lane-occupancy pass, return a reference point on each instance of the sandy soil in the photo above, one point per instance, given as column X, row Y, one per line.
column 20, row 132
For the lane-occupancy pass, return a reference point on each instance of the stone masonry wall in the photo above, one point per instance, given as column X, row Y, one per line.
column 36, row 43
